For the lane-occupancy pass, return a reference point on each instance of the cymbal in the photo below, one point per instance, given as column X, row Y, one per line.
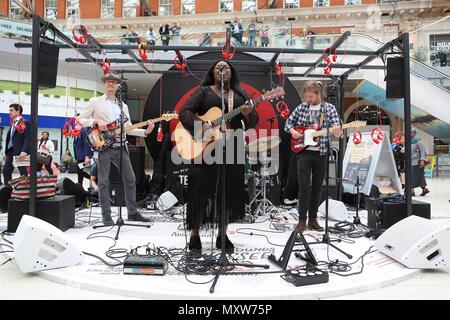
column 264, row 144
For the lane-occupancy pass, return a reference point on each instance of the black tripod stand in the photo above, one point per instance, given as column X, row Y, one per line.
column 222, row 261
column 120, row 222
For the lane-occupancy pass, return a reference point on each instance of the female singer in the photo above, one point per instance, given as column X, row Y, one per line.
column 204, row 180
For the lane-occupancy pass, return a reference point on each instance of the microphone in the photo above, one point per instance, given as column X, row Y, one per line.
column 221, row 67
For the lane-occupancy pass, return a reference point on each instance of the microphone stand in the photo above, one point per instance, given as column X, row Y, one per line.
column 326, row 238
column 120, row 223
column 356, row 219
column 223, row 262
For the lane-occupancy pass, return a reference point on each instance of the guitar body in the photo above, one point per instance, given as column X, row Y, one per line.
column 101, row 140
column 308, row 139
column 187, row 146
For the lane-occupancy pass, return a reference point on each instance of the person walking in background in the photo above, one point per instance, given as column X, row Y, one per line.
column 164, row 31
column 419, row 160
column 45, row 149
column 237, row 30
column 17, row 142
column 176, row 34
column 252, row 33
column 83, row 154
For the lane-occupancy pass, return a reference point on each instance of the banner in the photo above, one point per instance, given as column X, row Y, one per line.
column 372, row 164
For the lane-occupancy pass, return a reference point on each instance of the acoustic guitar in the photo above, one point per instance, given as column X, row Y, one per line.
column 310, row 136
column 190, row 147
column 102, row 140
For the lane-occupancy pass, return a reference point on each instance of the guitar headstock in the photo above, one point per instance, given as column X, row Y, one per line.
column 274, row 93
column 169, row 116
column 357, row 124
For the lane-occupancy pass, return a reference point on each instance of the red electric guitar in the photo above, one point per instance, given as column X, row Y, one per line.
column 310, row 136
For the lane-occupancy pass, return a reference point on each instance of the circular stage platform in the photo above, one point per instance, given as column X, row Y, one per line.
column 92, row 274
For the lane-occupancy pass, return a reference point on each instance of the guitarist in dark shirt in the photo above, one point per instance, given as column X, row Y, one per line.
column 311, row 163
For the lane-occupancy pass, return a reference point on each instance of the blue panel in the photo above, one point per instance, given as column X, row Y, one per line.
column 43, row 121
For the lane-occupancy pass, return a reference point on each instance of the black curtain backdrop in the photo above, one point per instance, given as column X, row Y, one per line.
column 173, row 90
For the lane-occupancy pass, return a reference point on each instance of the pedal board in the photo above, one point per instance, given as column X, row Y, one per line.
column 144, row 265
column 305, row 276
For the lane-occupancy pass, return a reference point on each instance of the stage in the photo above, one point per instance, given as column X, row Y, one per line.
column 167, row 231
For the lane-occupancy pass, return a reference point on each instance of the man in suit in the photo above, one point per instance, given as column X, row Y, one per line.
column 17, row 143
column 102, row 111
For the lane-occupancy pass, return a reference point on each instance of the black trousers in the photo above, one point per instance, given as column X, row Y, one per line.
column 9, row 168
column 81, row 174
column 311, row 169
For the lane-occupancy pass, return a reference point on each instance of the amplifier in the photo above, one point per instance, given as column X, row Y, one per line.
column 383, row 214
column 58, row 211
column 145, row 265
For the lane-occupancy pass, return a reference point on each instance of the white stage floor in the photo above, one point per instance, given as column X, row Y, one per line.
column 91, row 274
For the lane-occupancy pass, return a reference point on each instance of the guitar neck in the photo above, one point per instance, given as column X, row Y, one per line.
column 324, row 131
column 142, row 124
column 228, row 116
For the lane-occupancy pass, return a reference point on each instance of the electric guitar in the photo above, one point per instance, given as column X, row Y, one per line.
column 102, row 140
column 310, row 136
column 191, row 147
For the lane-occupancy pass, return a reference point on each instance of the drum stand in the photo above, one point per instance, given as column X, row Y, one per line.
column 263, row 204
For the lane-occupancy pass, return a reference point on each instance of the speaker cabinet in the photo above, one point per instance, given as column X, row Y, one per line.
column 58, row 211
column 137, row 158
column 48, row 65
column 40, row 246
column 394, row 78
column 382, row 214
column 417, row 243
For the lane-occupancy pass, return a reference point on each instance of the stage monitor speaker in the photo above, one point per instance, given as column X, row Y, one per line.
column 417, row 243
column 394, row 78
column 48, row 65
column 40, row 246
column 166, row 201
column 336, row 210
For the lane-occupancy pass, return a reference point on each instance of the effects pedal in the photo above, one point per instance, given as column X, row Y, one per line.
column 305, row 276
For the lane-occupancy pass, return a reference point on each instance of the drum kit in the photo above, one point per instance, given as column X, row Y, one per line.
column 260, row 175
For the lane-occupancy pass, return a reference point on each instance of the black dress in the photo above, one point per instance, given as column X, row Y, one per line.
column 203, row 183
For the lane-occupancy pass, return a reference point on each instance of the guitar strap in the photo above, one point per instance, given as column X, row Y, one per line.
column 230, row 100
column 321, row 116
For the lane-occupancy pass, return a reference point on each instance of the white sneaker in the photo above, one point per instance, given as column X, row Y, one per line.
column 289, row 202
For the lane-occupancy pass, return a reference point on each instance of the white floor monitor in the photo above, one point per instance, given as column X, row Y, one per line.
column 39, row 246
column 417, row 243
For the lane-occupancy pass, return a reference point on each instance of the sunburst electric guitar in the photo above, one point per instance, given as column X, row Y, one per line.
column 310, row 136
column 101, row 140
column 190, row 147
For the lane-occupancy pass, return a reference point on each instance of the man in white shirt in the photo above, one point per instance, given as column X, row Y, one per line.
column 102, row 111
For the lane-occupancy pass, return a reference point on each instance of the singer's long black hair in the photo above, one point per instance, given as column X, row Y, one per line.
column 235, row 83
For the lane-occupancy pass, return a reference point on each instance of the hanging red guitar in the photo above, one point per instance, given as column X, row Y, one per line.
column 311, row 136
